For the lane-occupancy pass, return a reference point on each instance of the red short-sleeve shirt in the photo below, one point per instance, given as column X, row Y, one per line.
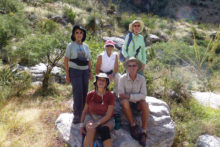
column 95, row 104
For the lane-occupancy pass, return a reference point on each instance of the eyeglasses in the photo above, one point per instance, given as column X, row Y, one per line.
column 136, row 25
column 79, row 32
column 134, row 65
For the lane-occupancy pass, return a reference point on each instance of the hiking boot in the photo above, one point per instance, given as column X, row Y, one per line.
column 134, row 132
column 142, row 139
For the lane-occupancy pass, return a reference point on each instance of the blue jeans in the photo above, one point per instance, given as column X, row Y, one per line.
column 80, row 81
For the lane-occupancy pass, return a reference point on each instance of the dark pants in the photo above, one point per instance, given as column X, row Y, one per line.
column 79, row 80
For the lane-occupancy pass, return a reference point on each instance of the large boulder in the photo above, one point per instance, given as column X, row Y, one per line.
column 207, row 99
column 208, row 141
column 161, row 129
column 118, row 41
column 38, row 71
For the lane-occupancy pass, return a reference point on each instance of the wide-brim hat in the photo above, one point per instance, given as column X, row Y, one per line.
column 141, row 25
column 109, row 42
column 102, row 75
column 82, row 29
column 133, row 59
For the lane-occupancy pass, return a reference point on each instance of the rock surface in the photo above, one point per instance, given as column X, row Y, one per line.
column 118, row 41
column 38, row 71
column 161, row 129
column 207, row 99
column 208, row 141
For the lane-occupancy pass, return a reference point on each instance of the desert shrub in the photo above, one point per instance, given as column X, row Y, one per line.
column 46, row 48
column 74, row 2
column 69, row 14
column 197, row 35
column 217, row 51
column 47, row 26
column 49, row 1
column 150, row 21
column 3, row 37
column 13, row 82
column 13, row 25
column 93, row 23
column 124, row 20
column 7, row 6
column 193, row 121
column 168, row 53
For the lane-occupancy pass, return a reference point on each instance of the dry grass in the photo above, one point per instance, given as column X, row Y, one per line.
column 30, row 120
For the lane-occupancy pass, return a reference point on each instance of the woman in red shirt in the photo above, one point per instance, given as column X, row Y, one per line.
column 97, row 113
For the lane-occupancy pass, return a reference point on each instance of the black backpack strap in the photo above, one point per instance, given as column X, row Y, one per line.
column 137, row 51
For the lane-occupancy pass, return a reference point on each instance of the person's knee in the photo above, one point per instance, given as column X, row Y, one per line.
column 104, row 132
column 125, row 104
column 90, row 129
column 144, row 105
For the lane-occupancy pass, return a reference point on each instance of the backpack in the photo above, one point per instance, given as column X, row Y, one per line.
column 121, row 56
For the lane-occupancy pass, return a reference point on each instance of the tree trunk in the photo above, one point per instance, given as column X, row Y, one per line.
column 45, row 84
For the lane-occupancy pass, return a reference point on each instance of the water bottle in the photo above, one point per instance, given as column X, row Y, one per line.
column 117, row 121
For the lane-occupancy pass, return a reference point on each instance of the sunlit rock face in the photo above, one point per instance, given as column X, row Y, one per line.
column 208, row 141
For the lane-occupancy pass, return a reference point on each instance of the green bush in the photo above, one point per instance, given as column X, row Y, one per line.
column 48, row 26
column 13, row 82
column 123, row 21
column 74, row 2
column 8, row 6
column 37, row 48
column 193, row 121
column 69, row 14
column 13, row 25
column 91, row 23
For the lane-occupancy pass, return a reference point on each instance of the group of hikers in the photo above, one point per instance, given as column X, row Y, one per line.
column 94, row 110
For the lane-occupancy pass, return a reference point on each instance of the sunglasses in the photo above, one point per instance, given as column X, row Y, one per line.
column 132, row 65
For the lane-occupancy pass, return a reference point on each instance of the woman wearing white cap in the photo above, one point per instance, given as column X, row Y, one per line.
column 107, row 62
column 97, row 115
column 134, row 45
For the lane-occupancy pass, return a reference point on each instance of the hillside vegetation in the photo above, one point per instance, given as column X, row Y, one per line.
column 186, row 58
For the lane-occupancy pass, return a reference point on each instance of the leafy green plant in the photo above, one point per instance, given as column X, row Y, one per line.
column 48, row 26
column 13, row 82
column 69, row 14
column 8, row 6
column 47, row 48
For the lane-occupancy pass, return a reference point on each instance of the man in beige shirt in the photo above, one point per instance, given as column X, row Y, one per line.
column 132, row 93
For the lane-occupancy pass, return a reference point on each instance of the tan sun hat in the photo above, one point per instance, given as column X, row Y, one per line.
column 141, row 25
column 133, row 59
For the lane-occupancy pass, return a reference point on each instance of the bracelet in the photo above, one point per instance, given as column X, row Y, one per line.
column 81, row 125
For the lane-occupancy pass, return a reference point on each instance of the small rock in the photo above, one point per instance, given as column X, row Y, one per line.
column 208, row 141
column 207, row 99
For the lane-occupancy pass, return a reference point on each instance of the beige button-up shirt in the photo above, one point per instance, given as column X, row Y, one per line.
column 136, row 89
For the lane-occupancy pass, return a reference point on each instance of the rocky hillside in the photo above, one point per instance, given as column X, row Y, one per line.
column 203, row 11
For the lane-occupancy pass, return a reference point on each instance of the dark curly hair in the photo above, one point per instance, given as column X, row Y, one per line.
column 81, row 28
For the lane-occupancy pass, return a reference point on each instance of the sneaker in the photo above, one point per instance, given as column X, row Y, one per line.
column 134, row 132
column 142, row 139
